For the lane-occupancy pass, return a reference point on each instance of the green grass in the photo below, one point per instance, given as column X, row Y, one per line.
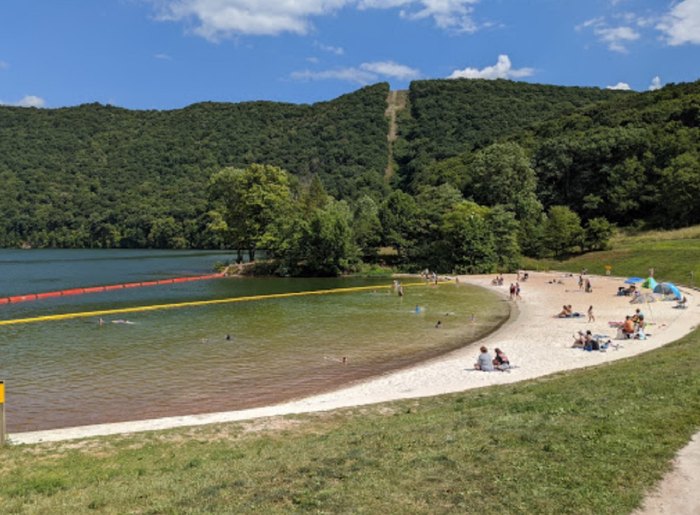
column 588, row 441
column 674, row 255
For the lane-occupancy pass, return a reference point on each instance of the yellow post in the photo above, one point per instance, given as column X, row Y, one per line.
column 2, row 413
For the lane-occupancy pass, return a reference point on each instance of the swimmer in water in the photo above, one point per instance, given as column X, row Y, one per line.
column 228, row 336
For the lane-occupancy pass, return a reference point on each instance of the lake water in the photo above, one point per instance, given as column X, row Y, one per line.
column 179, row 361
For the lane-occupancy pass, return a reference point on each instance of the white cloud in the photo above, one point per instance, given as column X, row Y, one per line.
column 655, row 84
column 453, row 15
column 681, row 24
column 616, row 36
column 345, row 74
column 501, row 70
column 163, row 57
column 330, row 49
column 622, row 86
column 26, row 101
column 217, row 19
column 365, row 73
column 391, row 69
column 4, row 65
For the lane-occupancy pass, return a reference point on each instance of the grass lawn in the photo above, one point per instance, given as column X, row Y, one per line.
column 588, row 441
column 674, row 255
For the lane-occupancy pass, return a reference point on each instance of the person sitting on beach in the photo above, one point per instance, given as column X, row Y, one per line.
column 637, row 316
column 566, row 312
column 640, row 329
column 626, row 291
column 682, row 303
column 500, row 362
column 582, row 340
column 628, row 327
column 484, row 361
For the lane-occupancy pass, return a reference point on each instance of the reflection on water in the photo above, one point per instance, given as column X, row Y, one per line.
column 221, row 357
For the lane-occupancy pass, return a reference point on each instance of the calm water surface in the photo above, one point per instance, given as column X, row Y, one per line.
column 179, row 361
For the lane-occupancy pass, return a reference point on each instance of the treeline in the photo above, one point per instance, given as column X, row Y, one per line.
column 485, row 171
column 101, row 176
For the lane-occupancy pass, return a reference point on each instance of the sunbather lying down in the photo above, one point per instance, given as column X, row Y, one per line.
column 568, row 312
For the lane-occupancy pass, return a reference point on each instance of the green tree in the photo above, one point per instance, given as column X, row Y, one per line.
column 562, row 232
column 680, row 190
column 366, row 226
column 468, row 242
column 328, row 247
column 504, row 229
column 597, row 234
column 251, row 201
column 502, row 174
column 398, row 217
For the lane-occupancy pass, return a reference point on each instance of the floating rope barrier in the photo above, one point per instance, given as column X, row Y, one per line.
column 97, row 289
column 195, row 303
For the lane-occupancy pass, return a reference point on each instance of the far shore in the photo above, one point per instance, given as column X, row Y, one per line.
column 536, row 342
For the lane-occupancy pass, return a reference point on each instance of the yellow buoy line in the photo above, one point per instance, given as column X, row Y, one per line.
column 155, row 307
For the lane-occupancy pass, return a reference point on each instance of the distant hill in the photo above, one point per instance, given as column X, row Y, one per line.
column 101, row 176
column 98, row 175
column 450, row 117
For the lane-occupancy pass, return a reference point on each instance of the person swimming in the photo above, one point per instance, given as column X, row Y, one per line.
column 122, row 321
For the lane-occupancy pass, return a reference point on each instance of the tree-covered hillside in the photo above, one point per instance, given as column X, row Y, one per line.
column 450, row 117
column 633, row 158
column 98, row 175
column 485, row 171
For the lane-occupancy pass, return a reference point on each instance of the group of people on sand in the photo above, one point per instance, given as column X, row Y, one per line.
column 486, row 363
column 515, row 291
column 634, row 327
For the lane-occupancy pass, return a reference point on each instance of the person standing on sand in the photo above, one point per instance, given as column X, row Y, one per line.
column 591, row 316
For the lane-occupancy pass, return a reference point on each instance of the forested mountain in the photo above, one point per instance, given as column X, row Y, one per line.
column 630, row 157
column 484, row 170
column 98, row 175
column 451, row 117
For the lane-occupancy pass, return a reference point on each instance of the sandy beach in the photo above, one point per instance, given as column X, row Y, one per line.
column 536, row 342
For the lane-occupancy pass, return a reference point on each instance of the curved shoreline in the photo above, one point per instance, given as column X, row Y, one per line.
column 536, row 341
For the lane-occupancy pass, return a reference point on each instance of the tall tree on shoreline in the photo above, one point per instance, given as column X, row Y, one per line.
column 251, row 201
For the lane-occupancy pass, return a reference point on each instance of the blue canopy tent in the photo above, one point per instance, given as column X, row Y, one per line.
column 668, row 289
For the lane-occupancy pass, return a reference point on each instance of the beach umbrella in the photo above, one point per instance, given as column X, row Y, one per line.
column 668, row 289
column 634, row 280
column 650, row 283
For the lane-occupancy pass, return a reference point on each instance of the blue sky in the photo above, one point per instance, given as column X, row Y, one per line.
column 166, row 54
